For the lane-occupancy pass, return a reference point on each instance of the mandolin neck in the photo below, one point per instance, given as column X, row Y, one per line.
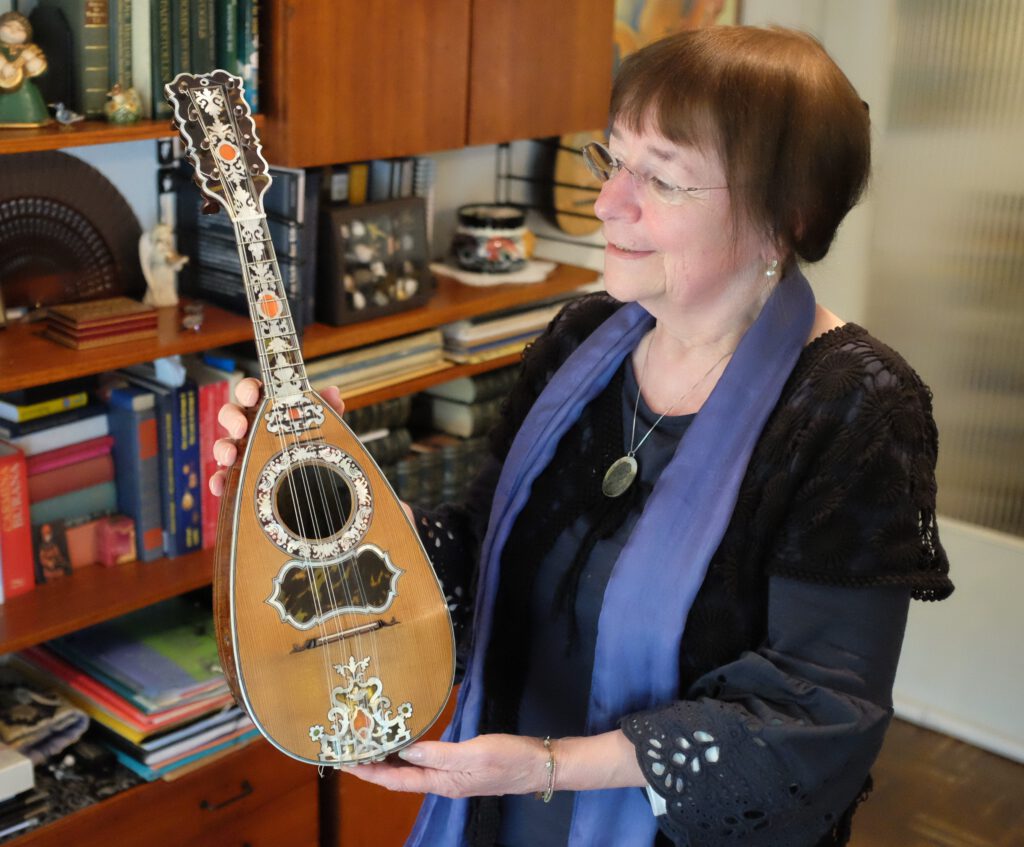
column 277, row 345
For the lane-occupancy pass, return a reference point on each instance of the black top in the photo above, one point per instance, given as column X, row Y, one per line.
column 789, row 650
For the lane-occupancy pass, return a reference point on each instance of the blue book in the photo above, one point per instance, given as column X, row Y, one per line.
column 132, row 416
column 177, row 409
column 82, row 504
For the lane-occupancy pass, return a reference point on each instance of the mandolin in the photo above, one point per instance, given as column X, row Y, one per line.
column 332, row 627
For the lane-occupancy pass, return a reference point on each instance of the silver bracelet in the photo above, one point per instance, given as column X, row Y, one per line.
column 549, row 790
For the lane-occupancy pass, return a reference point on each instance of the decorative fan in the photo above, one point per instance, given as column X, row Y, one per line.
column 66, row 233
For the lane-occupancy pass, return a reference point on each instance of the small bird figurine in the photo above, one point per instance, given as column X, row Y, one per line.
column 65, row 117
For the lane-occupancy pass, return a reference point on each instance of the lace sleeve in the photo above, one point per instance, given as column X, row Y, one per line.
column 774, row 748
column 862, row 511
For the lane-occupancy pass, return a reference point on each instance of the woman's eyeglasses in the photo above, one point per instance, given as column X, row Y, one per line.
column 603, row 165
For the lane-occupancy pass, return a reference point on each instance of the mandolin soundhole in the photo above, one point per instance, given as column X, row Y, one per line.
column 313, row 501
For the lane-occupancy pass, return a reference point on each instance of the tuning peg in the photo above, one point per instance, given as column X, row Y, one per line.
column 209, row 207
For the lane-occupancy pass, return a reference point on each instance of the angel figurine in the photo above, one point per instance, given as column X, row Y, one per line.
column 160, row 265
column 21, row 104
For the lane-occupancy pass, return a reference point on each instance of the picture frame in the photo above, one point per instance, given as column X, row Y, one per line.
column 374, row 260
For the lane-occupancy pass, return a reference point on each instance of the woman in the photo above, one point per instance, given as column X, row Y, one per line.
column 706, row 626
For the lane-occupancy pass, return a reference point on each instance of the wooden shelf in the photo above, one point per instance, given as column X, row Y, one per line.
column 96, row 593
column 451, row 302
column 84, row 134
column 26, row 358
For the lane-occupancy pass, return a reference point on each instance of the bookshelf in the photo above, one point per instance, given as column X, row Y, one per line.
column 84, row 134
column 96, row 593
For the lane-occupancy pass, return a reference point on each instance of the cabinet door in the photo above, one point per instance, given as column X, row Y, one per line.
column 539, row 68
column 350, row 80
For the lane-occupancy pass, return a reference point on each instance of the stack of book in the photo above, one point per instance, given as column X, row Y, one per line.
column 469, row 406
column 97, row 323
column 142, row 44
column 151, row 681
column 58, row 491
column 374, row 366
column 499, row 334
column 214, row 272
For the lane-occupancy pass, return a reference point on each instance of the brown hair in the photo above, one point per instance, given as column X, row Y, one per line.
column 792, row 133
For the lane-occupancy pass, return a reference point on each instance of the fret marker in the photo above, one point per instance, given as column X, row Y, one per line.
column 269, row 306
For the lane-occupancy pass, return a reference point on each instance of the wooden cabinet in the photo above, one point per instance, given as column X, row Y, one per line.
column 254, row 796
column 349, row 80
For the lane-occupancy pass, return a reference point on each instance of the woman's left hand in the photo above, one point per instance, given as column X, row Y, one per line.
column 496, row 764
column 486, row 765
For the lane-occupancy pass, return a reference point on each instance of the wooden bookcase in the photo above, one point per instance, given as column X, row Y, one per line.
column 412, row 78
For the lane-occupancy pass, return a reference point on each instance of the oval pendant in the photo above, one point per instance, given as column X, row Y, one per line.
column 619, row 476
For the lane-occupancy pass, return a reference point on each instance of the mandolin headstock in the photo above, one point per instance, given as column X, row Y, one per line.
column 220, row 138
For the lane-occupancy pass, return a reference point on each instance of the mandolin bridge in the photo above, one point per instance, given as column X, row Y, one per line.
column 341, row 635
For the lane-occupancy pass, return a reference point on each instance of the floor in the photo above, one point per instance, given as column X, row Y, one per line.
column 934, row 791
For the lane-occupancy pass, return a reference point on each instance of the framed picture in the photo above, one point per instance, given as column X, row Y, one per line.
column 373, row 260
column 51, row 547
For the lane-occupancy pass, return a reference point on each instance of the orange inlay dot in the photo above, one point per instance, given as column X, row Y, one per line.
column 269, row 307
column 228, row 152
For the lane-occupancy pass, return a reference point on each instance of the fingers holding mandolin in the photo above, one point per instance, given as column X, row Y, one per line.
column 332, row 396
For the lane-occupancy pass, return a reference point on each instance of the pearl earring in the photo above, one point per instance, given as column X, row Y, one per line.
column 772, row 269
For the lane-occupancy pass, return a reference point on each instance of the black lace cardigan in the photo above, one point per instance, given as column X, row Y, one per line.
column 839, row 495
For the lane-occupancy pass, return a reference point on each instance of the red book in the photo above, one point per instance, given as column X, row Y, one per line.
column 214, row 391
column 15, row 527
column 64, row 456
column 47, row 484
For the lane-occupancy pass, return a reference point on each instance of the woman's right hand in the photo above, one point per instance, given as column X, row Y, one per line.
column 232, row 418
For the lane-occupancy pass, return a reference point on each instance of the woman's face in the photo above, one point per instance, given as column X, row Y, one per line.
column 681, row 256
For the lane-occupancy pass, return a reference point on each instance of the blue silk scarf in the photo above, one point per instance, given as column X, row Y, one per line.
column 662, row 565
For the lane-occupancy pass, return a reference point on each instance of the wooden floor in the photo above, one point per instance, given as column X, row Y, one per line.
column 934, row 791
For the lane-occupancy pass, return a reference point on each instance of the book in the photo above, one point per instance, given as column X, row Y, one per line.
column 46, row 400
column 181, row 42
column 14, row 429
column 177, row 431
column 143, row 22
column 214, row 387
column 430, row 339
column 89, row 22
column 70, row 455
column 203, row 42
column 96, row 323
column 80, row 503
column 226, row 34
column 482, row 386
column 106, row 706
column 465, row 419
column 54, row 483
column 166, row 652
column 161, row 34
column 249, row 51
column 64, row 432
column 120, row 68
column 15, row 528
column 133, row 423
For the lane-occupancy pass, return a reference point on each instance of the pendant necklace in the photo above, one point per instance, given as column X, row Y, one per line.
column 621, row 473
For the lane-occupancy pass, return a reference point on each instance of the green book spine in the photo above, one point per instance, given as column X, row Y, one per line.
column 226, row 34
column 163, row 67
column 181, row 44
column 121, row 43
column 204, row 43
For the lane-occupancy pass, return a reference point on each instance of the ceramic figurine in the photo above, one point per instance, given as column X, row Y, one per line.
column 21, row 104
column 160, row 265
